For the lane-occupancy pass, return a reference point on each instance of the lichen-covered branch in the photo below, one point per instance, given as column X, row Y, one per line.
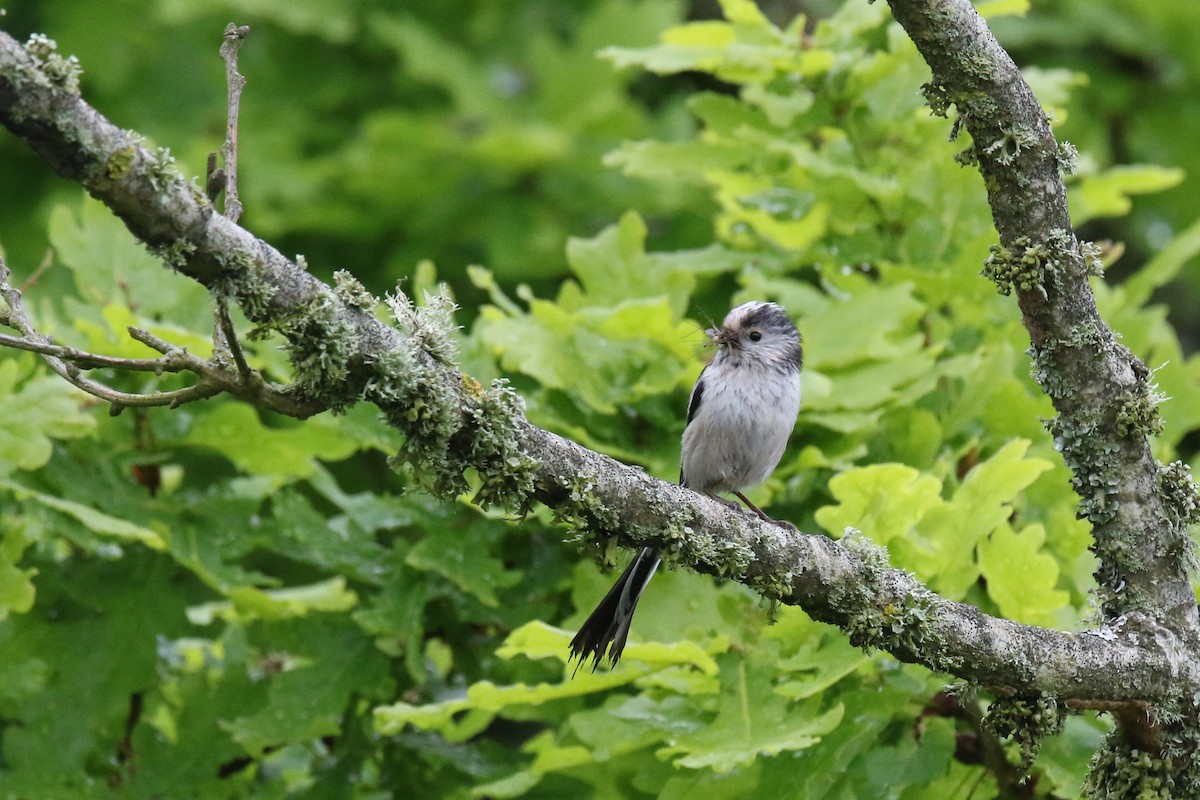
column 849, row 584
column 1103, row 394
column 342, row 354
column 1141, row 511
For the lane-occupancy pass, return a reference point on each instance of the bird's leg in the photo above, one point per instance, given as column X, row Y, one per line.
column 753, row 507
column 781, row 523
column 723, row 501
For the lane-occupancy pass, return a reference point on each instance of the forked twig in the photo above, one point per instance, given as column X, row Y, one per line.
column 214, row 377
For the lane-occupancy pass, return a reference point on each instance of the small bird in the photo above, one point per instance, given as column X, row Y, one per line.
column 739, row 418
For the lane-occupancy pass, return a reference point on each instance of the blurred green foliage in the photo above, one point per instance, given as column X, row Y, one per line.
column 214, row 602
column 375, row 135
column 1137, row 77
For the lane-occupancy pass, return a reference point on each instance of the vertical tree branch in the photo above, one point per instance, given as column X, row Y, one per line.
column 234, row 36
column 224, row 336
column 1102, row 392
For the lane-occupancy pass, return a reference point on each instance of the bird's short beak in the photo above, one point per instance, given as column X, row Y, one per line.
column 718, row 336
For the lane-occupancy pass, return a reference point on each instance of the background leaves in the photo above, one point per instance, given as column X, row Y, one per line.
column 215, row 602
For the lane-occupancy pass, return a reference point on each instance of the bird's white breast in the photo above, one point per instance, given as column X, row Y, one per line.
column 741, row 429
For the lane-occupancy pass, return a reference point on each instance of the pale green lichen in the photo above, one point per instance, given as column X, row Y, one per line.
column 240, row 282
column 1092, row 262
column 1121, row 769
column 175, row 254
column 774, row 585
column 1180, row 498
column 1138, row 415
column 161, row 170
column 1094, row 461
column 724, row 556
column 579, row 507
column 351, row 291
column 490, row 443
column 873, row 556
column 62, row 72
column 1026, row 721
column 450, row 422
column 729, row 559
column 878, row 619
column 1088, row 335
column 967, row 157
column 120, row 162
column 1029, row 265
column 320, row 343
column 318, row 339
column 1012, row 143
column 975, row 63
column 937, row 98
column 197, row 193
column 429, row 418
column 1085, row 437
column 1180, row 492
column 430, row 326
column 1019, row 267
column 455, row 425
column 1045, row 370
column 893, row 626
column 1119, row 553
column 1068, row 158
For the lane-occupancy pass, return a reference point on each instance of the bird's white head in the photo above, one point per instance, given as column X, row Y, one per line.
column 758, row 333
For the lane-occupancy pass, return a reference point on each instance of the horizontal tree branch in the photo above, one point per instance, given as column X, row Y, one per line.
column 342, row 353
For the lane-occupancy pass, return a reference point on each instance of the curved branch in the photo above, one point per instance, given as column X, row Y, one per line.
column 214, row 378
column 1102, row 392
column 83, row 359
column 448, row 418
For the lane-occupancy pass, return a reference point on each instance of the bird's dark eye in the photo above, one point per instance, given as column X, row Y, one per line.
column 755, row 336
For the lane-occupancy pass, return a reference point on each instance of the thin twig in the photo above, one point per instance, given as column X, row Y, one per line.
column 224, row 336
column 213, row 377
column 60, row 359
column 85, row 360
column 1114, row 706
column 39, row 270
column 225, row 326
column 250, row 387
column 234, row 35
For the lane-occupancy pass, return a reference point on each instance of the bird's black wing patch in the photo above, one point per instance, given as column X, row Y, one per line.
column 697, row 393
column 693, row 409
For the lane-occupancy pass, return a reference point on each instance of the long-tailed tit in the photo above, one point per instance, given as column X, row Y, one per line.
column 739, row 418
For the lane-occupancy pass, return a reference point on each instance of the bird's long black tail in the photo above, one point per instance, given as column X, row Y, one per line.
column 608, row 626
